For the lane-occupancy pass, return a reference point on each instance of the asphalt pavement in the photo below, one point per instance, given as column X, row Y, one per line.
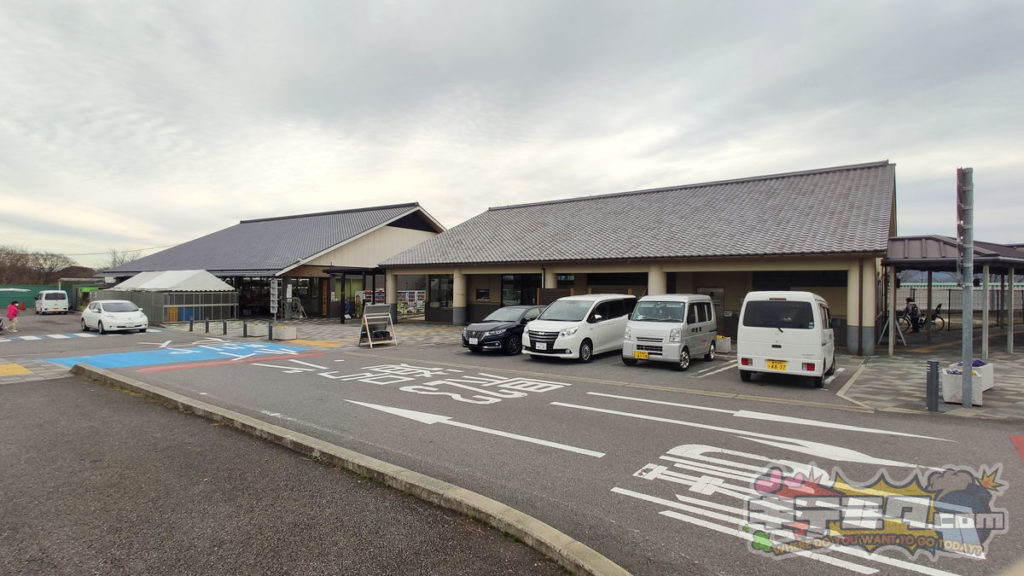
column 100, row 481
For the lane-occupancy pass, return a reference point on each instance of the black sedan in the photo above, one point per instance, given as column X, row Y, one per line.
column 500, row 330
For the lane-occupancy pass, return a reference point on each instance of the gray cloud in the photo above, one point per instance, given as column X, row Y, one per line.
column 156, row 122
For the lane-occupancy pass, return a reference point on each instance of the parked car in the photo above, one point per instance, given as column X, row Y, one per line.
column 786, row 333
column 54, row 301
column 113, row 315
column 670, row 328
column 579, row 326
column 500, row 330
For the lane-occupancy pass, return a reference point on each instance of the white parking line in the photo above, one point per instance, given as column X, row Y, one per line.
column 704, row 373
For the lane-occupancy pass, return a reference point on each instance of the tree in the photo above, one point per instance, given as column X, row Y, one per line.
column 14, row 265
column 118, row 258
column 46, row 265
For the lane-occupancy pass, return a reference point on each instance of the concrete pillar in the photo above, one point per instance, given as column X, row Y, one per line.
column 891, row 311
column 853, row 308
column 657, row 280
column 390, row 288
column 1009, row 315
column 868, row 299
column 550, row 279
column 984, row 311
column 391, row 294
column 458, row 298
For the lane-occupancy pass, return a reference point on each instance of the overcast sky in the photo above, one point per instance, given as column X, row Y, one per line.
column 143, row 124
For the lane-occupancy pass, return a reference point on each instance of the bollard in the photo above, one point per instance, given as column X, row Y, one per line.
column 225, row 327
column 245, row 329
column 207, row 326
column 190, row 325
column 932, row 387
column 270, row 330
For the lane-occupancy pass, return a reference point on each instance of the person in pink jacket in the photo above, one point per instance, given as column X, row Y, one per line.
column 12, row 316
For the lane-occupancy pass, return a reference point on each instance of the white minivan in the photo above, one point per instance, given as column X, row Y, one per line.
column 52, row 302
column 670, row 328
column 786, row 332
column 579, row 326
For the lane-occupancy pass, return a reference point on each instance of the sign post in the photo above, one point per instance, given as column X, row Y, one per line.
column 965, row 245
column 273, row 298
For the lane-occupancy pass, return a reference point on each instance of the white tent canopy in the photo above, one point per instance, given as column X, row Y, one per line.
column 175, row 281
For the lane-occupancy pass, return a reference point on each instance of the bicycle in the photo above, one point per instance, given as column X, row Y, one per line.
column 937, row 321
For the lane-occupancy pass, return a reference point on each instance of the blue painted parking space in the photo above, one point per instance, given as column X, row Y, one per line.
column 168, row 355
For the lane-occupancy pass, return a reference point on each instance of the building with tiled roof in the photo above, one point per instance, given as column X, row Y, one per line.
column 821, row 230
column 325, row 257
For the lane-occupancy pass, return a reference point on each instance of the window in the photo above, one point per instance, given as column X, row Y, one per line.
column 440, row 291
column 778, row 314
column 704, row 311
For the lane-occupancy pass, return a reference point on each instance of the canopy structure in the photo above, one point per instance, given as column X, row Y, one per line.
column 175, row 281
column 939, row 253
column 177, row 295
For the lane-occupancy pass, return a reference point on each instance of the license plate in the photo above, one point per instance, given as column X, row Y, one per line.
column 640, row 354
column 474, row 341
column 542, row 346
column 776, row 365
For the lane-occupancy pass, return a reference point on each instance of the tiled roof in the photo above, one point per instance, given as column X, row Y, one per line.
column 940, row 253
column 270, row 245
column 846, row 209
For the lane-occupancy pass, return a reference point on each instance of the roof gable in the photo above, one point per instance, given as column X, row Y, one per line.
column 846, row 209
column 272, row 245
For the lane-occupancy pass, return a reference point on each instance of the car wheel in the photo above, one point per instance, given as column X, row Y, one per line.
column 513, row 346
column 85, row 327
column 818, row 381
column 745, row 375
column 629, row 361
column 586, row 351
column 711, row 353
column 832, row 368
column 99, row 327
column 141, row 330
column 684, row 360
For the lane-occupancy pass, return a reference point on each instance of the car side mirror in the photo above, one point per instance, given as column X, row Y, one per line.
column 596, row 318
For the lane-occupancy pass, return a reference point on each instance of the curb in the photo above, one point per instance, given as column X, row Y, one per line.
column 572, row 555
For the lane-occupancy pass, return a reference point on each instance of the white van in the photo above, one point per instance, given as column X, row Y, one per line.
column 52, row 301
column 579, row 326
column 670, row 328
column 786, row 333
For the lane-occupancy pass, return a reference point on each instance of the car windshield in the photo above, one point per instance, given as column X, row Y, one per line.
column 566, row 311
column 119, row 307
column 778, row 314
column 652, row 311
column 504, row 315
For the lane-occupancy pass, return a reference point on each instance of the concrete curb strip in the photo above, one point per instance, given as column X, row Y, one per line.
column 570, row 554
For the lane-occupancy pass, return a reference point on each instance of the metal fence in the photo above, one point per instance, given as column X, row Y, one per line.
column 951, row 299
column 164, row 307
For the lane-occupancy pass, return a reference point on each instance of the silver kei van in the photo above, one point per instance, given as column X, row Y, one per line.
column 786, row 332
column 671, row 328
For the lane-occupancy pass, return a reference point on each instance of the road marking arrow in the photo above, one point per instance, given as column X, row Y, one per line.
column 427, row 418
column 809, row 447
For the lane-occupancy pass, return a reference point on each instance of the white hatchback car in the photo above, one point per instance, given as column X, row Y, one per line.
column 112, row 315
